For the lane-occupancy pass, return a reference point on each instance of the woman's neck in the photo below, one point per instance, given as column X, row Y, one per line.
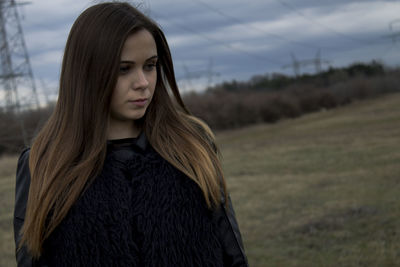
column 122, row 129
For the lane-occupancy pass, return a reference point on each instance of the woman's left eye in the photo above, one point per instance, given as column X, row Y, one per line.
column 150, row 66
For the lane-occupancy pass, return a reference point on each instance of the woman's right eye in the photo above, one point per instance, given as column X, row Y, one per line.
column 124, row 69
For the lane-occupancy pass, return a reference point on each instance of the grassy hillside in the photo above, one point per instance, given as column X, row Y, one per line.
column 7, row 187
column 321, row 190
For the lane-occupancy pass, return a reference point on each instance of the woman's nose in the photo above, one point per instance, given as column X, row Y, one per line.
column 139, row 80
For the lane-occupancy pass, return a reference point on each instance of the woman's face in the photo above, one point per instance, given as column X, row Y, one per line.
column 137, row 79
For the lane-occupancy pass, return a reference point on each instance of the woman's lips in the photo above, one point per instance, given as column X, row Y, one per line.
column 139, row 102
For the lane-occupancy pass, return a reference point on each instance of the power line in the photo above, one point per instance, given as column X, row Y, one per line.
column 343, row 35
column 218, row 42
column 243, row 23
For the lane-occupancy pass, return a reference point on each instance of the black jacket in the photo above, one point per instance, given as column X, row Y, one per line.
column 225, row 217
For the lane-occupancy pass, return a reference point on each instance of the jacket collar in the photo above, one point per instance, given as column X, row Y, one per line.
column 140, row 142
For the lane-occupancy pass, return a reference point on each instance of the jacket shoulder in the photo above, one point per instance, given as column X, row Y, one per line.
column 230, row 237
column 22, row 183
column 23, row 180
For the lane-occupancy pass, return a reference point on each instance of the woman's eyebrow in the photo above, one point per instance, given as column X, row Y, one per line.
column 133, row 62
column 153, row 57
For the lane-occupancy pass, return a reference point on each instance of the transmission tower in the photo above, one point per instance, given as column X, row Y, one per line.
column 317, row 62
column 16, row 77
column 208, row 73
column 297, row 64
column 395, row 34
column 17, row 87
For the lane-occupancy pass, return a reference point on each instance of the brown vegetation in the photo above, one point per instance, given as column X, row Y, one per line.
column 233, row 105
column 14, row 128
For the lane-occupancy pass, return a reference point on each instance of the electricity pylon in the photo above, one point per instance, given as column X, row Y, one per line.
column 209, row 73
column 17, row 85
column 295, row 65
column 395, row 35
column 16, row 77
column 317, row 62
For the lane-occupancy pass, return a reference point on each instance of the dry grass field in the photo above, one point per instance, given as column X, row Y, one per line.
column 7, row 187
column 320, row 190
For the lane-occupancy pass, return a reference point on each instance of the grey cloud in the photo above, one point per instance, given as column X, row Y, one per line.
column 225, row 31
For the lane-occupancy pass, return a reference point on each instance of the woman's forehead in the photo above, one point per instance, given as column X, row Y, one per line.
column 139, row 46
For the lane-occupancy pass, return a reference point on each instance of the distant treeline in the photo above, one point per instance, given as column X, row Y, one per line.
column 264, row 98
column 16, row 129
column 271, row 97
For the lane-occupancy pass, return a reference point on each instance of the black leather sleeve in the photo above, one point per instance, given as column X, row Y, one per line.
column 21, row 196
column 234, row 255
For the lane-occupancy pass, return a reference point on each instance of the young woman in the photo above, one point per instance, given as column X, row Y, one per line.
column 122, row 174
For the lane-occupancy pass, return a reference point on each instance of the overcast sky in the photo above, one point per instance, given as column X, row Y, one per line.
column 213, row 41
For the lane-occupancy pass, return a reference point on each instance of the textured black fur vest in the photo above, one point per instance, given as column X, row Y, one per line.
column 140, row 211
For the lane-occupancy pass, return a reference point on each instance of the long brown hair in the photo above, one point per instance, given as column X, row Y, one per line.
column 70, row 149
